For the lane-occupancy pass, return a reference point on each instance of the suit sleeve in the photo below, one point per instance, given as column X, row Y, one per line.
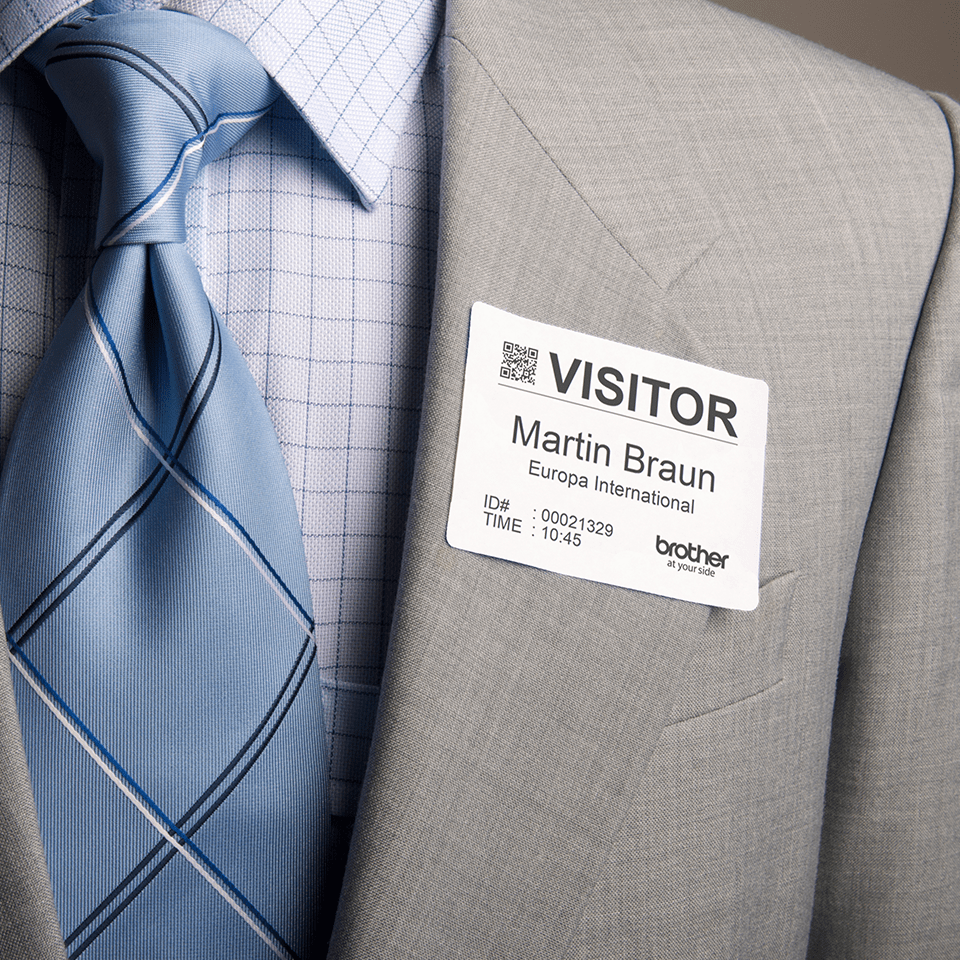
column 889, row 876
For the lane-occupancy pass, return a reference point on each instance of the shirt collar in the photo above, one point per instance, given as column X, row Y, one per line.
column 351, row 67
column 22, row 23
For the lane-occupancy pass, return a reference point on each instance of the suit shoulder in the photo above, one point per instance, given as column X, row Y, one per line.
column 683, row 108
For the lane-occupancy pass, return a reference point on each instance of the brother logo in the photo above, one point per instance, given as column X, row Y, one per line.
column 691, row 553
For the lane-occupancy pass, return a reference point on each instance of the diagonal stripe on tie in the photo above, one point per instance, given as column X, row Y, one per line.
column 204, row 807
column 122, row 520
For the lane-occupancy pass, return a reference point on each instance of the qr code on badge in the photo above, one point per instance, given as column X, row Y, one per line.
column 519, row 363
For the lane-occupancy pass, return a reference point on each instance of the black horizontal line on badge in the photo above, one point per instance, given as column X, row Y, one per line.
column 617, row 413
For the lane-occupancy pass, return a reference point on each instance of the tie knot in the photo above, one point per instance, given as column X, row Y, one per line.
column 154, row 95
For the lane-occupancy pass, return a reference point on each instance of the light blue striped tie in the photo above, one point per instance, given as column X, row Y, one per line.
column 154, row 584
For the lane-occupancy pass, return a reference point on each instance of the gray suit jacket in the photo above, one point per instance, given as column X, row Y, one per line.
column 564, row 769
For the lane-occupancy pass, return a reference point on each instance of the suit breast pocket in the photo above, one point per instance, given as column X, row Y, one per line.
column 739, row 655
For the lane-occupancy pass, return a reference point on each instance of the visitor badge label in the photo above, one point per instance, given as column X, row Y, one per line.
column 607, row 462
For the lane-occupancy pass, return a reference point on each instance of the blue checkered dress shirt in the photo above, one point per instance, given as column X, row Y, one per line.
column 315, row 239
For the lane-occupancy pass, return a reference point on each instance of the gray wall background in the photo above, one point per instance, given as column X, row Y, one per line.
column 916, row 40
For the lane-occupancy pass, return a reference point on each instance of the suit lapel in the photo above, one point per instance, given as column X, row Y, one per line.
column 27, row 914
column 519, row 707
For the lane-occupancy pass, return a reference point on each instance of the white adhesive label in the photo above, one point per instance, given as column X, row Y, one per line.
column 607, row 462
